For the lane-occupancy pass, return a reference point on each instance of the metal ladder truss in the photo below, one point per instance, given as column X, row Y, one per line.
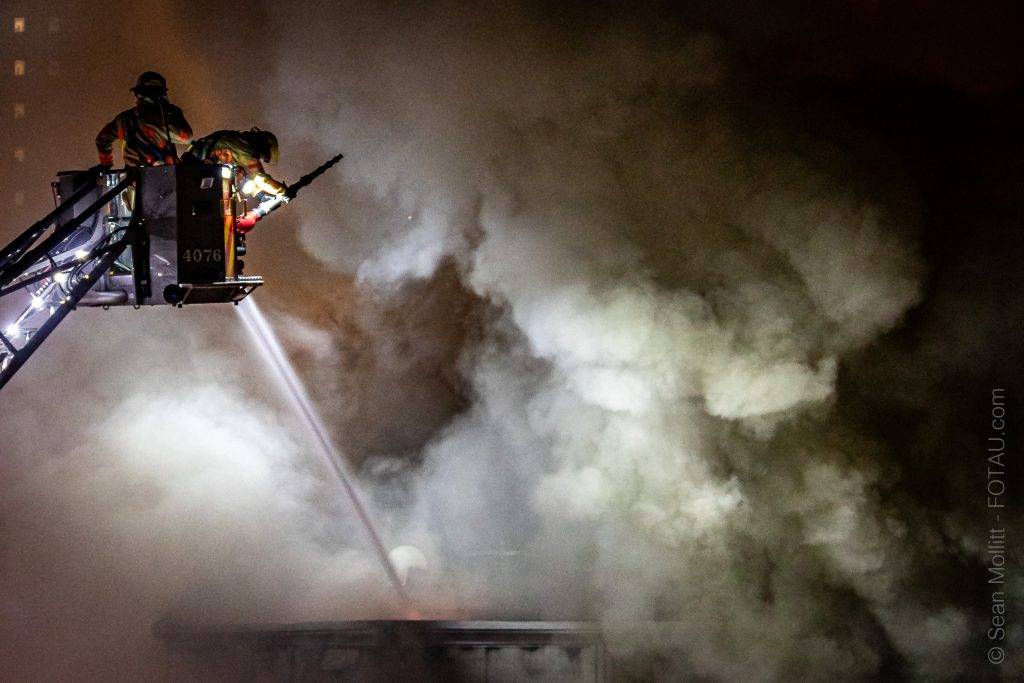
column 46, row 270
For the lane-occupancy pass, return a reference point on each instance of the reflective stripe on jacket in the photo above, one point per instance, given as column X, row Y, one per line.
column 146, row 132
column 232, row 148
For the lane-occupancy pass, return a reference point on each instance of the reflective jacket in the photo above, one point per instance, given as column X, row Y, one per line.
column 233, row 148
column 146, row 132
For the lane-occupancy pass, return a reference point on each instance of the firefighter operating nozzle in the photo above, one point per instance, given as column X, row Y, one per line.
column 246, row 222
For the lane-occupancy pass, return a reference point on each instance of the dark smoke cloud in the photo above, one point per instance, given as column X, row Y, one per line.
column 615, row 320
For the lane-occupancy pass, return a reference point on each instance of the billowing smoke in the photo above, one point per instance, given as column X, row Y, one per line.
column 598, row 323
column 672, row 279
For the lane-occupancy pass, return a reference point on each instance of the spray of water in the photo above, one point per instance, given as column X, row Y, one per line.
column 272, row 353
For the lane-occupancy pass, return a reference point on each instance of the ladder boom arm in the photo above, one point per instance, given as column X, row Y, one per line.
column 12, row 251
column 42, row 250
column 74, row 296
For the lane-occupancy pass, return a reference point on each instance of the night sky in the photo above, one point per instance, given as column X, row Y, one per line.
column 700, row 314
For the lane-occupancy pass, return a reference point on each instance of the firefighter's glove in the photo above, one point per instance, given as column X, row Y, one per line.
column 247, row 222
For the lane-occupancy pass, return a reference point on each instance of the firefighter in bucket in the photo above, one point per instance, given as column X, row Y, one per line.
column 245, row 152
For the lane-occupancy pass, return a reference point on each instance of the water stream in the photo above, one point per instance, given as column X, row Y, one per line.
column 273, row 355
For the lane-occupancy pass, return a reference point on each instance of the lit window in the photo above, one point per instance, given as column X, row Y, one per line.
column 19, row 110
column 19, row 24
column 19, row 154
column 19, row 197
column 19, row 67
column 54, row 25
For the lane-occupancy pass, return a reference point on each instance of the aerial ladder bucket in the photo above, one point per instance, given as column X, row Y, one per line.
column 142, row 236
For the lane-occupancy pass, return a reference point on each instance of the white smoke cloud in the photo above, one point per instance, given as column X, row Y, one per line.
column 161, row 491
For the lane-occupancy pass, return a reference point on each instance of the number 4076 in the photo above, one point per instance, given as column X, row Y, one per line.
column 202, row 255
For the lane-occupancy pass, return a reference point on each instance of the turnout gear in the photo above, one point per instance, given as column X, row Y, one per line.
column 147, row 131
column 244, row 151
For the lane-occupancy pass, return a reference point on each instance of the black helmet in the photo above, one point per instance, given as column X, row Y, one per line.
column 150, row 83
column 265, row 143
